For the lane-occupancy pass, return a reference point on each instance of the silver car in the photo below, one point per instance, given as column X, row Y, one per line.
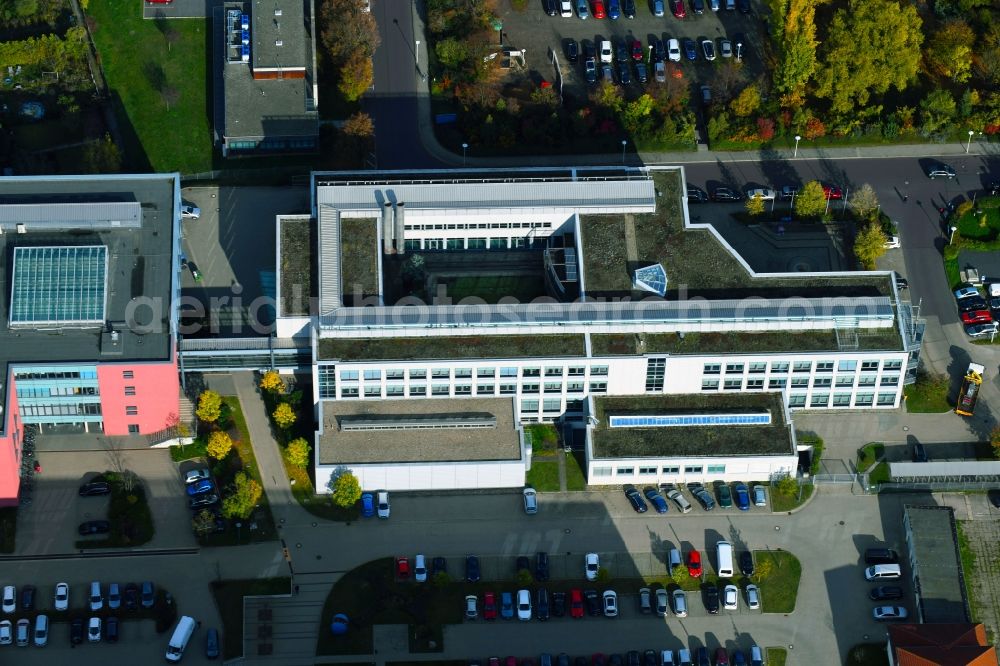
column 471, row 607
column 680, row 603
column 662, row 602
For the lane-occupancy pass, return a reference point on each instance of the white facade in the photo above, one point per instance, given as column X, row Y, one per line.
column 653, row 471
column 430, row 476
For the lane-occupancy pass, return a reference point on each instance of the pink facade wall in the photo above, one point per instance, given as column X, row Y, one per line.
column 157, row 396
column 10, row 456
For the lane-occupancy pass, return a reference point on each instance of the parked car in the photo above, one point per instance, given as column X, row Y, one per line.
column 367, row 505
column 660, row 74
column 530, row 498
column 635, row 48
column 657, row 50
column 576, row 603
column 131, row 597
column 833, row 192
column 523, row 605
column 708, row 49
column 635, row 499
column 62, row 597
column 41, row 631
column 742, row 496
column 195, row 475
column 628, row 8
column 677, row 498
column 679, row 598
column 746, row 563
column 885, row 593
column 114, row 596
column 21, row 633
column 939, row 170
column 558, row 604
column 889, row 613
column 598, row 9
column 725, row 48
column 147, row 595
column 489, row 606
column 94, row 630
column 606, row 52
column 744, row 6
column 724, row 495
column 471, row 607
column 640, row 72
column 94, row 527
column 756, row 656
column 753, row 597
column 624, row 73
column 572, row 50
column 420, row 569
column 201, row 501
column 582, row 9
column 593, row 602
column 592, row 565
column 27, row 597
column 788, row 192
column 711, row 598
column 730, row 597
column 721, row 657
column 966, row 292
column 696, row 195
column 881, row 556
column 724, row 194
column 590, row 70
column 676, row 8
column 661, row 601
column 95, row 488
column 550, row 7
column 610, row 598
column 764, row 193
column 6, row 632
column 541, row 566
column 76, row 631
column 542, row 604
column 981, row 330
column 189, row 211
column 694, row 564
column 759, row 496
column 690, row 49
column 565, row 8
column 645, row 600
column 506, row 606
column 383, row 503
column 658, row 7
column 698, row 6
column 471, row 568
column 212, row 643
column 656, row 499
column 971, row 303
column 111, row 630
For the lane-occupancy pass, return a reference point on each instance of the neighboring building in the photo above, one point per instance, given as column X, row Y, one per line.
column 89, row 287
column 584, row 253
column 265, row 70
column 960, row 644
column 935, row 564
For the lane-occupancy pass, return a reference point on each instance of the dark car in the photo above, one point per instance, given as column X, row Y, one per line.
column 551, row 7
column 659, row 51
column 589, row 49
column 572, row 50
column 621, row 51
column 885, row 592
column 881, row 556
column 721, row 657
column 438, row 565
column 95, row 488
column 632, row 658
column 131, row 597
column 94, row 527
column 640, row 72
column 939, row 170
column 656, row 499
column 901, row 284
column 788, row 192
column 624, row 73
column 994, row 497
column 724, row 495
column 725, row 194
column 650, row 658
column 696, row 195
column 703, row 496
column 746, row 563
column 635, row 499
column 76, row 631
column 742, row 497
column 628, row 8
column 712, row 599
column 690, row 49
column 522, row 564
column 212, row 643
column 27, row 597
column 677, row 8
column 593, row 601
column 111, row 629
column 698, row 6
column 558, row 604
column 542, row 566
column 542, row 604
column 703, row 657
column 472, row 569
column 201, row 501
column 972, row 303
column 919, row 452
column 590, row 70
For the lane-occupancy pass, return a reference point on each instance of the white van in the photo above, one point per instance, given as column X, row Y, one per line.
column 41, row 631
column 180, row 638
column 674, row 560
column 883, row 572
column 724, row 558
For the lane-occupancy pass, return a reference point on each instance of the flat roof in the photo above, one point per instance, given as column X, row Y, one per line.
column 274, row 21
column 58, row 285
column 295, row 264
column 269, row 108
column 772, row 439
column 933, row 542
column 749, row 342
column 417, row 445
column 450, row 347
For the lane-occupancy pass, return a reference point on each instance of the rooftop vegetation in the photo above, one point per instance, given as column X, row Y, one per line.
column 739, row 342
column 463, row 347
column 296, row 266
column 358, row 258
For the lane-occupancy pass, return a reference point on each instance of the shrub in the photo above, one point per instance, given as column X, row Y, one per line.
column 297, row 452
column 209, row 406
column 284, row 416
column 243, row 499
column 219, row 445
column 272, row 382
column 346, row 490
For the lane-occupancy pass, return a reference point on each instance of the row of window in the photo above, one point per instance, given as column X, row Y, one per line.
column 842, row 400
column 480, row 225
column 445, row 390
column 552, row 406
column 54, row 391
column 415, row 244
column 777, row 383
column 79, row 409
column 467, row 373
column 70, row 374
column 779, row 367
column 654, row 471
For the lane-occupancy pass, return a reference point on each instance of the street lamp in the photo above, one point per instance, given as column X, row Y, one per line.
column 968, row 146
column 416, row 53
column 797, row 139
column 623, row 150
column 739, row 45
column 465, row 147
column 952, row 236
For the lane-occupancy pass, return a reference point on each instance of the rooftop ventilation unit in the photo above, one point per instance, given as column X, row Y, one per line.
column 22, row 228
column 278, row 42
column 277, row 12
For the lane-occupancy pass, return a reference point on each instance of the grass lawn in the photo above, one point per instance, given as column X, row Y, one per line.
column 780, row 587
column 8, row 529
column 879, row 474
column 575, row 477
column 140, row 65
column 544, row 476
column 129, row 515
column 865, row 654
column 491, row 288
column 868, row 454
column 781, row 502
column 776, row 656
column 928, row 395
column 195, row 449
column 229, row 601
column 968, row 558
column 544, row 437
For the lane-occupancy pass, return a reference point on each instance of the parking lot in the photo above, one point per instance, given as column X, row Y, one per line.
column 537, row 33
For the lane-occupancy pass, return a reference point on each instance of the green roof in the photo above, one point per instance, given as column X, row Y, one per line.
column 456, row 347
column 296, row 265
column 696, row 441
column 741, row 342
column 358, row 258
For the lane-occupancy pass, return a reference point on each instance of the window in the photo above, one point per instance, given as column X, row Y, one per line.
column 463, row 389
column 670, row 470
column 529, row 388
column 847, row 366
column 693, row 469
column 574, row 387
column 866, row 380
column 131, row 410
column 477, row 243
column 128, row 374
column 712, row 369
column 819, row 400
column 486, row 372
column 598, row 370
column 624, row 471
column 373, row 391
column 373, row 375
column 758, row 367
column 441, row 373
column 455, row 243
column 133, row 428
column 892, row 365
column 463, row 373
column 550, row 405
column 822, row 382
column 508, row 389
column 327, row 381
column 716, row 469
column 886, row 398
column 394, row 374
column 577, row 371
column 418, row 374
column 574, row 405
column 845, row 380
column 802, row 366
column 734, row 368
column 824, row 366
column 498, row 243
column 529, row 405
column 553, row 372
column 733, row 385
column 553, row 387
column 647, row 470
column 601, row 471
column 348, row 375
column 655, row 369
column 889, row 380
column 598, row 387
column 485, row 389
column 440, row 389
column 418, row 390
column 864, row 399
column 755, row 384
column 395, row 390
column 841, row 399
column 129, row 390
column 869, row 365
column 797, row 400
column 531, row 372
column 349, row 392
column 709, row 384
column 781, row 366
column 508, row 372
column 800, row 382
column 777, row 383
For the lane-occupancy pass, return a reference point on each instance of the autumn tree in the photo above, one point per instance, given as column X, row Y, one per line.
column 794, row 35
column 219, row 445
column 747, row 102
column 203, row 522
column 347, row 30
column 356, row 76
column 272, row 382
column 346, row 490
column 609, row 96
column 755, row 205
column 949, row 52
column 297, row 452
column 937, row 110
column 680, row 574
column 284, row 416
column 810, row 200
column 864, row 201
column 242, row 499
column 102, row 156
column 869, row 245
column 209, row 407
column 869, row 47
column 359, row 125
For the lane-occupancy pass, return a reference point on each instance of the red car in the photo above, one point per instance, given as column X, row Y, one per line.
column 599, row 12
column 977, row 317
column 489, row 606
column 677, row 8
column 694, row 564
column 402, row 567
column 637, row 50
column 832, row 192
column 510, row 661
column 575, row 603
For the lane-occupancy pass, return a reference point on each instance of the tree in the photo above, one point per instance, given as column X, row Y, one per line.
column 356, row 76
column 118, row 464
column 243, row 499
column 995, row 441
column 755, row 205
column 284, row 416
column 787, row 485
column 680, row 574
column 869, row 47
column 949, row 52
column 747, row 102
column 102, row 156
column 298, row 452
column 347, row 29
column 219, row 445
column 346, row 490
column 937, row 110
column 763, row 569
column 608, row 95
column 203, row 522
column 794, row 36
column 209, row 406
column 272, row 382
column 452, row 53
column 811, row 200
column 359, row 125
column 864, row 201
column 869, row 245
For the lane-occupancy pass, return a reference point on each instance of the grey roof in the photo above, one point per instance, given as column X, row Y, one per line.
column 267, row 28
column 337, row 446
column 269, row 108
column 57, row 216
column 933, row 543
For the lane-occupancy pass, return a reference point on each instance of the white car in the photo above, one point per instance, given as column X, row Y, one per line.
column 607, row 55
column 673, row 50
column 891, row 243
column 62, row 596
column 189, row 211
column 383, row 504
column 566, row 9
column 420, row 569
column 9, row 599
column 523, row 605
column 530, row 501
column 23, row 633
column 6, row 633
column 593, row 564
column 753, row 597
column 196, row 475
column 965, row 292
column 41, row 630
column 730, row 597
column 471, row 607
column 889, row 613
column 660, row 72
column 94, row 630
column 96, row 596
column 677, row 498
column 680, row 603
column 610, row 603
column 764, row 193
